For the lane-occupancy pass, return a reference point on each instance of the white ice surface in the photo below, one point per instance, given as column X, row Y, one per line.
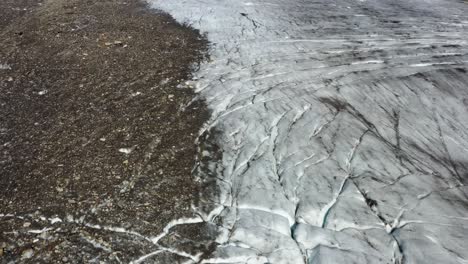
column 344, row 128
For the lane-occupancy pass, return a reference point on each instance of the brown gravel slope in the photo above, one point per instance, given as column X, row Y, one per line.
column 94, row 130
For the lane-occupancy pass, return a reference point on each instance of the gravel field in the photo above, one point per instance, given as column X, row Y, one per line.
column 97, row 133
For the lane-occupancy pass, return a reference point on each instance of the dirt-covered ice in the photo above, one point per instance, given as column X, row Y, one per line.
column 344, row 129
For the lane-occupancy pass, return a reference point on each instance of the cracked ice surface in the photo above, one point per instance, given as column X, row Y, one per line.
column 344, row 128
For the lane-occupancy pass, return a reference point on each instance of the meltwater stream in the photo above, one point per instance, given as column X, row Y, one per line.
column 344, row 128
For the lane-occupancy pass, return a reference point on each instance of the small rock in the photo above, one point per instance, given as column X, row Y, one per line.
column 126, row 150
column 5, row 67
column 10, row 79
column 26, row 224
column 55, row 220
column 26, row 254
column 44, row 236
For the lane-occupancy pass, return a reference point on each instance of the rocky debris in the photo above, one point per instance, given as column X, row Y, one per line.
column 97, row 137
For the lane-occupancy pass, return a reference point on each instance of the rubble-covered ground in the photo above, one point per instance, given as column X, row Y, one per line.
column 97, row 133
column 344, row 128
